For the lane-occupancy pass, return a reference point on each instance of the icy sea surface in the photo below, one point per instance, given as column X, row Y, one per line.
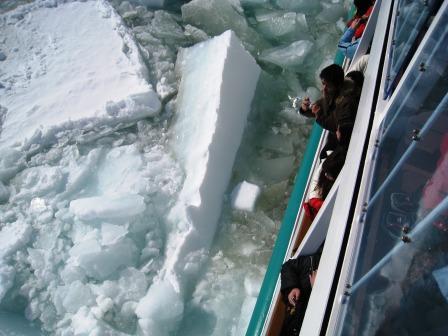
column 124, row 128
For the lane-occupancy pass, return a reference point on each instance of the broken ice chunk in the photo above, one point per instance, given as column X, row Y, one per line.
column 244, row 196
column 284, row 26
column 108, row 206
column 302, row 6
column 39, row 181
column 278, row 143
column 14, row 236
column 331, row 12
column 275, row 170
column 111, row 234
column 290, row 56
column 217, row 16
column 101, row 264
column 7, row 274
column 4, row 193
column 135, row 107
column 76, row 295
column 156, row 317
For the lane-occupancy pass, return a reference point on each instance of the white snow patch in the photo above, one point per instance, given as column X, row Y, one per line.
column 67, row 69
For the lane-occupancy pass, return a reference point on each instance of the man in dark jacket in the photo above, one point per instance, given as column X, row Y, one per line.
column 332, row 79
column 297, row 278
column 339, row 104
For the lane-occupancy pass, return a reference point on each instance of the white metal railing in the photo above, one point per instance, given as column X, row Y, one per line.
column 351, row 254
column 330, row 257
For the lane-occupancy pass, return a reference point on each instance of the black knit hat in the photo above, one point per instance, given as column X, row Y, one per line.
column 333, row 74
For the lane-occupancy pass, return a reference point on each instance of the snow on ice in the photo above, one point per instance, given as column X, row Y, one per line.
column 74, row 51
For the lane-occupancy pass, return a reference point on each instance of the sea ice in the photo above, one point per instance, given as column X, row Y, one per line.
column 278, row 143
column 81, row 82
column 290, row 56
column 119, row 171
column 218, row 82
column 100, row 264
column 75, row 296
column 160, row 310
column 274, row 170
column 107, row 206
column 13, row 236
column 284, row 26
column 39, row 181
column 244, row 196
column 302, row 6
column 152, row 3
column 111, row 234
column 17, row 325
column 4, row 193
column 217, row 16
column 331, row 12
column 7, row 274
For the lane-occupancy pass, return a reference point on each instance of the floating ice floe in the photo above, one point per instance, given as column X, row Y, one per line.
column 217, row 16
column 218, row 82
column 290, row 56
column 107, row 206
column 244, row 196
column 83, row 55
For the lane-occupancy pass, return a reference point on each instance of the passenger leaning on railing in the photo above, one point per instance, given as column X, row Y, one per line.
column 338, row 105
column 297, row 279
column 355, row 28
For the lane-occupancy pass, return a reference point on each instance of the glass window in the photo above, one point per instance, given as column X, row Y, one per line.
column 400, row 284
column 412, row 21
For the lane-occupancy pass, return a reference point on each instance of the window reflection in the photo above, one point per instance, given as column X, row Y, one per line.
column 412, row 22
column 400, row 284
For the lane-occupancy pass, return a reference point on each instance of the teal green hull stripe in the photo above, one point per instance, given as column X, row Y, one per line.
column 278, row 253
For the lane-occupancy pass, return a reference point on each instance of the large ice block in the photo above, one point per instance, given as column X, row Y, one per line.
column 218, row 82
column 69, row 67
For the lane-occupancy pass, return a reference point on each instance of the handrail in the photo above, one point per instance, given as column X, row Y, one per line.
column 423, row 224
column 278, row 253
column 267, row 289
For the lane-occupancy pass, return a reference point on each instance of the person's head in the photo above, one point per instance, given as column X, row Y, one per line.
column 362, row 6
column 357, row 77
column 332, row 78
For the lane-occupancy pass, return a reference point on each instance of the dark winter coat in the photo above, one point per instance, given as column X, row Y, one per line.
column 295, row 274
column 343, row 111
